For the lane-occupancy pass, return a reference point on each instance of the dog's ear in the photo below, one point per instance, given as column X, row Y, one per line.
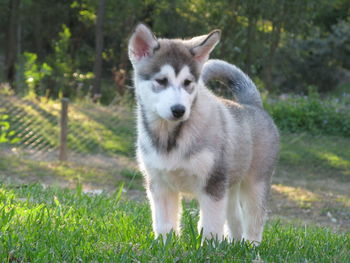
column 202, row 46
column 142, row 43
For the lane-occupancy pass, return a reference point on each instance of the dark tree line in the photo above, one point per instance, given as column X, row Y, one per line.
column 71, row 48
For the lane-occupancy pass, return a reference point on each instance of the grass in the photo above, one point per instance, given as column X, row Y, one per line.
column 301, row 156
column 320, row 155
column 108, row 174
column 92, row 128
column 60, row 225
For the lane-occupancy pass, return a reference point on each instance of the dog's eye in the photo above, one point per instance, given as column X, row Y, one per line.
column 163, row 81
column 187, row 82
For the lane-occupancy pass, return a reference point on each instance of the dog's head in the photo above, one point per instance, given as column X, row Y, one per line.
column 167, row 70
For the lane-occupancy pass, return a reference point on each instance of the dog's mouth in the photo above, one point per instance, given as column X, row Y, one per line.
column 174, row 119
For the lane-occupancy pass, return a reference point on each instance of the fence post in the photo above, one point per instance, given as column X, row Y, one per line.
column 64, row 130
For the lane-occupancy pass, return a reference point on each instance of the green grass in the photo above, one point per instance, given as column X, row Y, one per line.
column 92, row 128
column 302, row 155
column 109, row 176
column 320, row 155
column 60, row 225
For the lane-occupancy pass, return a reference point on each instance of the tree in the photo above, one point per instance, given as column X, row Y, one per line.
column 12, row 43
column 96, row 90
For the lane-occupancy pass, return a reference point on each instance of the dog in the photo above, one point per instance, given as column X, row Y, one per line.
column 191, row 142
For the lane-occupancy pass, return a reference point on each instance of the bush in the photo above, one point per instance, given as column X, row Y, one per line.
column 57, row 77
column 315, row 60
column 310, row 114
column 6, row 134
column 32, row 75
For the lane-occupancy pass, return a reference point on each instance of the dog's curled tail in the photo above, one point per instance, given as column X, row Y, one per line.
column 243, row 88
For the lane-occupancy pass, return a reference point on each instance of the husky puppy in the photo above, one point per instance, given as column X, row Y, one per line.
column 190, row 141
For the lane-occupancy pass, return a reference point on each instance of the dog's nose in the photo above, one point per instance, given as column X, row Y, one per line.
column 178, row 110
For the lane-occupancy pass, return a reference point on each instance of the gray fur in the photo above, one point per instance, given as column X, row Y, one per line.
column 217, row 180
column 189, row 89
column 242, row 86
column 158, row 89
column 171, row 52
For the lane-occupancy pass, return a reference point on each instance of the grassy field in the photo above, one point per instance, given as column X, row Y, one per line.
column 311, row 183
column 49, row 214
column 60, row 225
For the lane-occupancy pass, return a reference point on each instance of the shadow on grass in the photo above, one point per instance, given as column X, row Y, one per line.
column 92, row 128
column 321, row 156
column 67, row 174
column 117, row 129
column 34, row 127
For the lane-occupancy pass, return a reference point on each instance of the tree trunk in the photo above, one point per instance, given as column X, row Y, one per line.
column 96, row 89
column 37, row 31
column 270, row 60
column 277, row 25
column 252, row 20
column 12, row 43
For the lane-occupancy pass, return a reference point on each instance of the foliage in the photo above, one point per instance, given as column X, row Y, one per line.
column 284, row 44
column 55, row 225
column 315, row 60
column 33, row 75
column 57, row 76
column 62, row 61
column 6, row 134
column 311, row 114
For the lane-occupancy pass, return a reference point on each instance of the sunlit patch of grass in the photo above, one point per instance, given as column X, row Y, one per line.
column 91, row 128
column 34, row 124
column 297, row 194
column 81, row 174
column 336, row 161
column 61, row 225
column 319, row 155
column 291, row 157
column 116, row 129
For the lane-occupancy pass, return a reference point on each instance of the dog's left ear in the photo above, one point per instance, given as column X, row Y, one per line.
column 202, row 46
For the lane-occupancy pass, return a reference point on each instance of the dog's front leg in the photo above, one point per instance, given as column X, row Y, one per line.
column 165, row 209
column 212, row 216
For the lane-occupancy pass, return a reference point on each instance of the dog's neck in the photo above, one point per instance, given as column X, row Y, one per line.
column 163, row 134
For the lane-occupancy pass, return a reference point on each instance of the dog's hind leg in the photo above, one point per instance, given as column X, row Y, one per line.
column 234, row 213
column 212, row 216
column 253, row 197
column 165, row 210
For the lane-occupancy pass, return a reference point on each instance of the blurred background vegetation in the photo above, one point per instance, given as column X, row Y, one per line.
column 78, row 48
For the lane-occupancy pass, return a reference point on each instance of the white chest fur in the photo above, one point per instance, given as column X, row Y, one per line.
column 178, row 171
